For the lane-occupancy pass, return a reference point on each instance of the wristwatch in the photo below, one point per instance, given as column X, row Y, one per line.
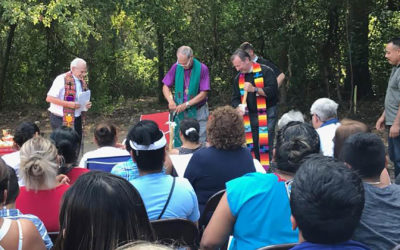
column 187, row 104
column 255, row 90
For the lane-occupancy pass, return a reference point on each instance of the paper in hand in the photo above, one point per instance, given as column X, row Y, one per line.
column 84, row 98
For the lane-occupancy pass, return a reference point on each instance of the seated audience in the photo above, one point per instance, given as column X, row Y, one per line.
column 255, row 207
column 105, row 136
column 164, row 196
column 380, row 220
column 23, row 132
column 291, row 116
column 347, row 128
column 324, row 120
column 102, row 211
column 227, row 157
column 42, row 193
column 9, row 211
column 68, row 143
column 17, row 231
column 189, row 134
column 327, row 200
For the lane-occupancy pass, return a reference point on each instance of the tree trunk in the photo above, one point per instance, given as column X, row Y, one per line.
column 5, row 59
column 330, row 48
column 161, row 63
column 358, row 39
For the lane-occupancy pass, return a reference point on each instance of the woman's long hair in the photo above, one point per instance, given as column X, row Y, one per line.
column 102, row 211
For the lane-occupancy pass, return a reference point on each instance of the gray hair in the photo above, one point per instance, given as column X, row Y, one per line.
column 77, row 61
column 292, row 115
column 185, row 50
column 39, row 163
column 242, row 54
column 324, row 108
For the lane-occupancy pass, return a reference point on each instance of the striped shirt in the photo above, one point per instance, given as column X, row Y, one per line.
column 15, row 214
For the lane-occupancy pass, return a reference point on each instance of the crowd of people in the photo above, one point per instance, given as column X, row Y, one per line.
column 321, row 184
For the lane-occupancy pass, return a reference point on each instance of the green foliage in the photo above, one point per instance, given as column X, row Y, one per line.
column 129, row 45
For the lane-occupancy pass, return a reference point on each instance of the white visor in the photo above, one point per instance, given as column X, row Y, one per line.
column 154, row 146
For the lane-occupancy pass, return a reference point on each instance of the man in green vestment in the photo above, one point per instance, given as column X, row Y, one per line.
column 191, row 81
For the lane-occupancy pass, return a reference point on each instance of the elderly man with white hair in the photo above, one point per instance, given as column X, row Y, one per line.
column 291, row 116
column 191, row 81
column 63, row 97
column 324, row 120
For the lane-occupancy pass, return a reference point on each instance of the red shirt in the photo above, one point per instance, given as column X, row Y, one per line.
column 75, row 173
column 45, row 204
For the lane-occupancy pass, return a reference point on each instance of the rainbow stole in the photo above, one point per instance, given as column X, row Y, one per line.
column 262, row 118
column 69, row 95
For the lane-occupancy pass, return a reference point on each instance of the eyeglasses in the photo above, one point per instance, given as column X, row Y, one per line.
column 187, row 64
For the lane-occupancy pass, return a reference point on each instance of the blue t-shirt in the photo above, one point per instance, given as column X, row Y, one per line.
column 260, row 204
column 347, row 245
column 154, row 190
column 210, row 168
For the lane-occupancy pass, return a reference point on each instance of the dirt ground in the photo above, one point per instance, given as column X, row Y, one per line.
column 128, row 114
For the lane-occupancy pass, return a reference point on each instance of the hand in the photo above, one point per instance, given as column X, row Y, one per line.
column 172, row 105
column 74, row 105
column 241, row 109
column 380, row 123
column 249, row 87
column 88, row 105
column 394, row 130
column 62, row 179
column 120, row 145
column 181, row 108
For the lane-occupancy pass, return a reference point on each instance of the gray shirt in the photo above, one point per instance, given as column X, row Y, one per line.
column 379, row 227
column 392, row 98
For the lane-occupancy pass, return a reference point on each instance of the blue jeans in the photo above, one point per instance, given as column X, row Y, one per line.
column 394, row 153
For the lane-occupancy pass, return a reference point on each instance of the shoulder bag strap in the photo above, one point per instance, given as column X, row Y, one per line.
column 168, row 199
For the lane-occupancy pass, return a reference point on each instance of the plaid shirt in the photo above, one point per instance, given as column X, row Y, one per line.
column 127, row 170
column 15, row 214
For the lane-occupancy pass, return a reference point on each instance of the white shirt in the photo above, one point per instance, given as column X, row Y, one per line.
column 326, row 135
column 106, row 151
column 57, row 90
column 13, row 160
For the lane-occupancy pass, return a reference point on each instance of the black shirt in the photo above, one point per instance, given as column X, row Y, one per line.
column 270, row 89
column 270, row 64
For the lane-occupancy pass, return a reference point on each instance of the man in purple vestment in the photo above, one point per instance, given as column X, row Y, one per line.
column 185, row 59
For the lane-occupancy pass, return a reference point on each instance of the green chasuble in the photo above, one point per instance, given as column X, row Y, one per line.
column 193, row 91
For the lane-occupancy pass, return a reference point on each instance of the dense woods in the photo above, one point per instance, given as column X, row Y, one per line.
column 324, row 47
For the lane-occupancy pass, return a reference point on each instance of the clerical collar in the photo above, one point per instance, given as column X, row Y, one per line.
column 255, row 58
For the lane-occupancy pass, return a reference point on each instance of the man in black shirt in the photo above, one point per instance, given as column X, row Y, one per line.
column 242, row 62
column 248, row 47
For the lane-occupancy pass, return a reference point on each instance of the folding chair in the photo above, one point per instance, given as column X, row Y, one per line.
column 53, row 236
column 279, row 247
column 209, row 208
column 105, row 163
column 177, row 232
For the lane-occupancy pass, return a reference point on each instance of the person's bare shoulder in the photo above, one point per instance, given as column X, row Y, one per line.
column 31, row 237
